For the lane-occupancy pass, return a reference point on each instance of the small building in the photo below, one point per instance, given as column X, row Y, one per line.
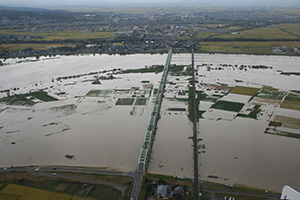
column 162, row 192
column 178, row 192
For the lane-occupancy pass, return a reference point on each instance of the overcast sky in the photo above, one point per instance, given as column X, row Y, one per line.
column 37, row 3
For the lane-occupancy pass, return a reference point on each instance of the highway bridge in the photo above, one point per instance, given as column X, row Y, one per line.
column 150, row 133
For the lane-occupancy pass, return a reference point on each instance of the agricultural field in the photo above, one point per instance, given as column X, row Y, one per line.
column 260, row 33
column 26, row 186
column 229, row 106
column 240, row 47
column 250, row 91
column 292, row 101
column 99, row 93
column 271, row 94
column 28, row 98
column 125, row 101
column 288, row 122
column 28, row 193
column 291, row 28
column 60, row 35
column 35, row 46
column 293, row 105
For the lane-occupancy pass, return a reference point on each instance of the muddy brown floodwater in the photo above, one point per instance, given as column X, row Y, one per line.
column 95, row 132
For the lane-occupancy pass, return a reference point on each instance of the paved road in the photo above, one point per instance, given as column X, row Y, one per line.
column 137, row 185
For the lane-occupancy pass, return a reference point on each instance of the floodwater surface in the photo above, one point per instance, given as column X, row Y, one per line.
column 94, row 132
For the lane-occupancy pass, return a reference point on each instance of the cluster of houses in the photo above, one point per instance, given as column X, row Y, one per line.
column 167, row 191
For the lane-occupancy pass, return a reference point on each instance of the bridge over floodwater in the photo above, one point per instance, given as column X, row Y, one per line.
column 150, row 132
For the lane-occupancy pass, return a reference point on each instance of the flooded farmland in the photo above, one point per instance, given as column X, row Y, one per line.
column 92, row 114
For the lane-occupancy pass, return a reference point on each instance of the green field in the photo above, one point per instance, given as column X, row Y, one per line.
column 9, row 197
column 271, row 94
column 253, row 114
column 140, row 101
column 59, row 35
column 263, row 47
column 293, row 97
column 292, row 28
column 27, row 99
column 228, row 106
column 32, row 187
column 288, row 122
column 28, row 193
column 260, row 33
column 244, row 90
column 125, row 101
column 99, row 93
column 293, row 105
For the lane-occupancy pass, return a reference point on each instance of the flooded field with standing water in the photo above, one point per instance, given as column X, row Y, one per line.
column 92, row 111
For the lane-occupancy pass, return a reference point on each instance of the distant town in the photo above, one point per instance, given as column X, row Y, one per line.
column 255, row 30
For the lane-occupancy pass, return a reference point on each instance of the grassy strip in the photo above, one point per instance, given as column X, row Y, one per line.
column 35, row 46
column 177, row 109
column 290, row 73
column 43, row 96
column 71, row 188
column 116, row 179
column 238, row 196
column 228, row 106
column 199, row 96
column 24, row 99
column 252, row 114
column 9, row 197
column 151, row 69
column 293, row 97
column 128, row 191
column 17, row 100
column 205, row 195
column 282, row 133
column 60, row 35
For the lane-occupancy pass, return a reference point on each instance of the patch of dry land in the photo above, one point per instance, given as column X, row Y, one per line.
column 94, row 110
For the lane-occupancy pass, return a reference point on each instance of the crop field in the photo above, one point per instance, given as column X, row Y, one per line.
column 35, row 46
column 265, row 102
column 229, row 106
column 125, row 101
column 292, row 28
column 293, row 97
column 293, row 105
column 52, row 188
column 238, row 47
column 26, row 99
column 263, row 47
column 60, row 35
column 244, row 90
column 288, row 122
column 9, row 197
column 260, row 33
column 99, row 93
column 140, row 101
column 271, row 94
column 29, row 193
